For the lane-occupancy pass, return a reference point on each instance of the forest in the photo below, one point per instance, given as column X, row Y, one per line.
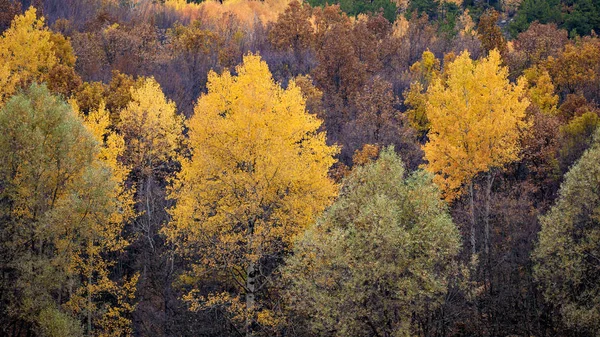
column 299, row 168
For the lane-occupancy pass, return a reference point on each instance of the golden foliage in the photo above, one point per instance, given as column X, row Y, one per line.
column 257, row 175
column 423, row 71
column 416, row 99
column 151, row 128
column 541, row 90
column 476, row 118
column 366, row 155
column 31, row 53
column 255, row 155
column 26, row 51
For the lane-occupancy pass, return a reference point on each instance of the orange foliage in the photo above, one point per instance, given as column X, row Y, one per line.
column 247, row 11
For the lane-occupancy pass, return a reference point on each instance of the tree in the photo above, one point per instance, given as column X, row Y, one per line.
column 566, row 255
column 429, row 7
column 541, row 90
column 489, row 33
column 194, row 48
column 256, row 178
column 8, row 10
column 151, row 128
column 576, row 137
column 293, row 30
column 26, row 51
column 339, row 73
column 62, row 205
column 543, row 11
column 576, row 69
column 379, row 256
column 579, row 122
column 378, row 121
column 312, row 95
column 153, row 134
column 423, row 72
column 355, row 7
column 533, row 46
column 476, row 117
column 32, row 53
column 583, row 18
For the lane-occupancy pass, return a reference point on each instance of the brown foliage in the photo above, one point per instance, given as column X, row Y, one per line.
column 293, row 30
column 577, row 68
column 535, row 45
column 379, row 122
column 490, row 35
column 8, row 10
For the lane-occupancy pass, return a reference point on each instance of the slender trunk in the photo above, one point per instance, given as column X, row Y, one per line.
column 488, row 259
column 472, row 204
column 89, row 311
column 251, row 273
column 89, row 295
column 473, row 246
column 488, row 196
column 250, row 289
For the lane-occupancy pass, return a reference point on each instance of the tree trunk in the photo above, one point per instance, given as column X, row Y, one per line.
column 472, row 204
column 89, row 308
column 251, row 273
column 488, row 196
column 250, row 289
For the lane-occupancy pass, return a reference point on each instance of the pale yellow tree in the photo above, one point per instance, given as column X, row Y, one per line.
column 423, row 72
column 465, row 24
column 476, row 118
column 151, row 128
column 257, row 177
column 153, row 136
column 26, row 51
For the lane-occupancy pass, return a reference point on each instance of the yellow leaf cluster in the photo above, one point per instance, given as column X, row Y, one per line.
column 476, row 117
column 258, row 172
column 541, row 90
column 26, row 51
column 151, row 128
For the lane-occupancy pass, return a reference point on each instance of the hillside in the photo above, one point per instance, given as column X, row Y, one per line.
column 286, row 168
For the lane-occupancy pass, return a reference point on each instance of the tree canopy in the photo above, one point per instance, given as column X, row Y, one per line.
column 257, row 176
column 381, row 254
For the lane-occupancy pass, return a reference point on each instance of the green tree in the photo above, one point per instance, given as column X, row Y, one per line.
column 543, row 11
column 355, row 7
column 62, row 215
column 583, row 18
column 382, row 253
column 568, row 252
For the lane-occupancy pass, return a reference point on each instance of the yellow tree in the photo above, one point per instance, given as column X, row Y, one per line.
column 541, row 90
column 258, row 175
column 423, row 72
column 151, row 128
column 26, row 51
column 31, row 53
column 111, row 320
column 476, row 118
column 153, row 135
